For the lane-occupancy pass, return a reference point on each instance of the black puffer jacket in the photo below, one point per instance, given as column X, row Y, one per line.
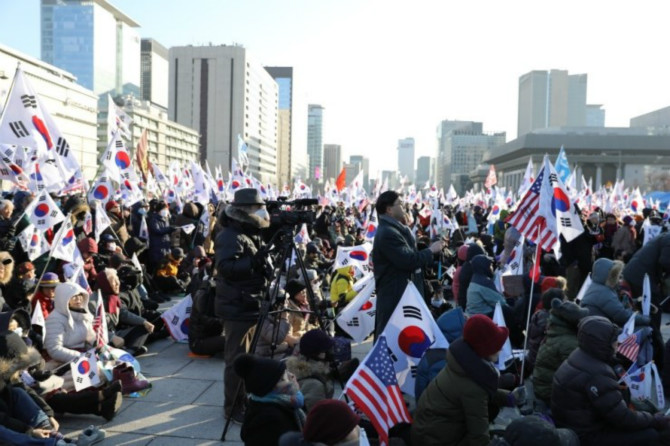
column 585, row 393
column 653, row 259
column 239, row 287
column 203, row 324
column 159, row 237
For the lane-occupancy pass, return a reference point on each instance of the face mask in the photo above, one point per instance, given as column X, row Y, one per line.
column 111, row 246
column 164, row 213
column 19, row 331
column 142, row 211
column 262, row 214
column 30, row 282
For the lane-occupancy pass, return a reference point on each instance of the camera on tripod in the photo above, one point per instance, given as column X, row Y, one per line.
column 291, row 213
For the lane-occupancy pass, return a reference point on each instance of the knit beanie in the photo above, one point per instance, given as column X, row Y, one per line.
column 12, row 346
column 110, row 205
column 483, row 335
column 293, row 287
column 315, row 342
column 570, row 312
column 260, row 375
column 329, row 422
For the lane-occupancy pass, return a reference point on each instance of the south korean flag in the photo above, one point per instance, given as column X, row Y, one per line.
column 85, row 371
column 43, row 212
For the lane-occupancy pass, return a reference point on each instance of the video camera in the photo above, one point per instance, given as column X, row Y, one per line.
column 291, row 213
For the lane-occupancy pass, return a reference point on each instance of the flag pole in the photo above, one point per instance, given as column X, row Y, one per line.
column 530, row 305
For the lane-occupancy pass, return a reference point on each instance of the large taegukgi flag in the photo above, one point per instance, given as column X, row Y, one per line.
column 411, row 331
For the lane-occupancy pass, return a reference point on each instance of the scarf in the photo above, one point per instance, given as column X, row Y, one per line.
column 479, row 370
column 286, row 395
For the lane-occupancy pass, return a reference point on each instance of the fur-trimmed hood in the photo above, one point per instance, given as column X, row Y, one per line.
column 606, row 272
column 9, row 269
column 8, row 367
column 303, row 368
column 240, row 215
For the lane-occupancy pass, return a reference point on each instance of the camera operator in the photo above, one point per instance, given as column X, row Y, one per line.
column 241, row 281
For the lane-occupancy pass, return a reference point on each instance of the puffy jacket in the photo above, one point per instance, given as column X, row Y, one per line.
column 68, row 333
column 202, row 323
column 159, row 236
column 586, row 396
column 397, row 261
column 653, row 259
column 342, row 286
column 313, row 378
column 239, row 287
column 482, row 295
column 451, row 325
column 601, row 299
column 454, row 409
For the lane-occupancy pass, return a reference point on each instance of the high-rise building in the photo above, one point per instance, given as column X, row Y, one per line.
column 332, row 161
column 315, row 141
column 222, row 92
column 284, row 78
column 351, row 170
column 553, row 99
column 154, row 68
column 406, row 158
column 595, row 115
column 72, row 106
column 95, row 41
column 364, row 162
column 461, row 146
column 168, row 140
column 424, row 170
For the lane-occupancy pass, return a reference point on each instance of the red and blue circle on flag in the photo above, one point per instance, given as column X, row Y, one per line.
column 219, row 184
column 84, row 367
column 184, row 325
column 101, row 192
column 495, row 210
column 372, row 230
column 413, row 341
column 122, row 159
column 42, row 210
column 235, row 184
column 359, row 255
column 559, row 201
column 366, row 306
column 34, row 240
column 68, row 237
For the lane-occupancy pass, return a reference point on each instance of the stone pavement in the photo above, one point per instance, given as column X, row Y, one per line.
column 185, row 405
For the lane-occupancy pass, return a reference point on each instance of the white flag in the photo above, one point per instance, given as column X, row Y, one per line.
column 188, row 228
column 102, row 188
column 303, row 235
column 353, row 255
column 646, row 295
column 65, row 242
column 117, row 159
column 38, row 319
column 650, row 231
column 102, row 221
column 514, row 264
column 358, row 317
column 85, row 371
column 177, row 319
column 43, row 212
column 117, row 120
column 34, row 242
column 144, row 230
column 628, row 328
column 582, row 290
column 371, row 226
column 411, row 331
column 506, row 351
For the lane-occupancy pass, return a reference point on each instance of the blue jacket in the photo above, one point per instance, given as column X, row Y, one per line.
column 451, row 324
column 159, row 237
column 482, row 295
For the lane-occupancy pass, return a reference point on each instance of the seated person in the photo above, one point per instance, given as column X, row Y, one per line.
column 300, row 318
column 312, row 367
column 342, row 287
column 330, row 422
column 205, row 331
column 167, row 277
column 44, row 296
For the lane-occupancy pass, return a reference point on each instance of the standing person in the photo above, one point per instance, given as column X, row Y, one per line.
column 396, row 257
column 240, row 282
column 159, row 233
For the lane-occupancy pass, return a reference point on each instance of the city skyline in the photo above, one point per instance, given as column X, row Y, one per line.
column 371, row 106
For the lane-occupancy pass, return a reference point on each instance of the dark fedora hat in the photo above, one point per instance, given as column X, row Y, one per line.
column 247, row 197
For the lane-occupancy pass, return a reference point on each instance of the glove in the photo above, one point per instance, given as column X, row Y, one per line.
column 660, row 421
column 517, row 397
column 259, row 260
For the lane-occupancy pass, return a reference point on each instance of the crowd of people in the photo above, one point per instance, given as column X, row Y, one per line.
column 245, row 291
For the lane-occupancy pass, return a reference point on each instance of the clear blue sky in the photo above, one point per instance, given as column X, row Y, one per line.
column 386, row 70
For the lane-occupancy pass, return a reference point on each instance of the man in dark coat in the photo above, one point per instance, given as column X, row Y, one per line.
column 159, row 233
column 587, row 398
column 240, row 281
column 396, row 257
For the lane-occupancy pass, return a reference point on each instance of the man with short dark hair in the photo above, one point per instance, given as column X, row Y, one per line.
column 396, row 257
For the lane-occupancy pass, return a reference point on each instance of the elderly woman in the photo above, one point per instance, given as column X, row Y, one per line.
column 7, row 226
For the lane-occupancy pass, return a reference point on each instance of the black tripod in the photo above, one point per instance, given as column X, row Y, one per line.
column 285, row 247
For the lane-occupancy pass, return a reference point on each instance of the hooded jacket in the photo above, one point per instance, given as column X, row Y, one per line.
column 586, row 396
column 465, row 275
column 653, row 259
column 601, row 299
column 312, row 375
column 68, row 333
column 451, row 325
column 482, row 295
column 342, row 286
column 159, row 236
column 239, row 285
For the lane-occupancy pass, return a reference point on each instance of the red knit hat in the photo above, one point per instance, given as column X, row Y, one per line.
column 111, row 204
column 483, row 335
column 547, row 283
column 329, row 422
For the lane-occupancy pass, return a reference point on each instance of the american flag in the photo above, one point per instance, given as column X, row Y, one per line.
column 528, row 217
column 374, row 390
column 630, row 347
column 100, row 324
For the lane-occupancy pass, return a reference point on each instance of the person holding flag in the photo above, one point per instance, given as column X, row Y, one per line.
column 396, row 257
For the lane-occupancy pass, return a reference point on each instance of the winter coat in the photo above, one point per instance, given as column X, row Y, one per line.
column 451, row 324
column 299, row 322
column 653, row 259
column 601, row 299
column 68, row 333
column 397, row 261
column 586, row 396
column 117, row 314
column 119, row 227
column 560, row 341
column 624, row 240
column 270, row 334
column 46, row 304
column 239, row 285
column 313, row 378
column 190, row 215
column 264, row 423
column 16, row 294
column 536, row 334
column 454, row 409
column 342, row 286
column 159, row 237
column 202, row 323
column 465, row 275
column 482, row 295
